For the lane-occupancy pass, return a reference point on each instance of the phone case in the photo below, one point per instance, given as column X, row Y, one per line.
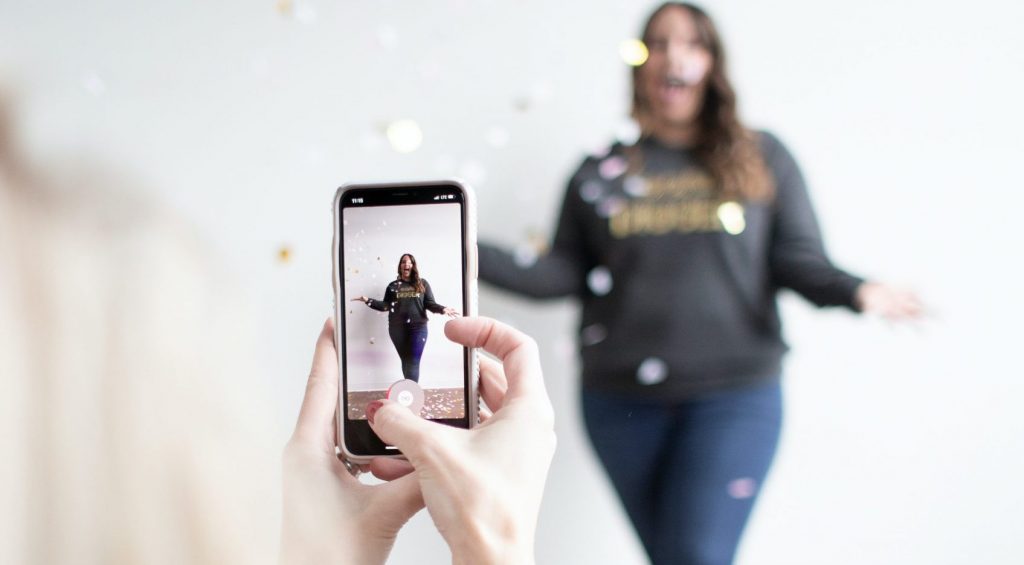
column 470, row 290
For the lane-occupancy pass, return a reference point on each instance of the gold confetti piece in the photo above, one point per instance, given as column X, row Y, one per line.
column 633, row 52
column 731, row 216
column 284, row 254
column 284, row 7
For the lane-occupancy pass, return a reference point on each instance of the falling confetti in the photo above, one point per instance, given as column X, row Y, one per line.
column 284, row 7
column 599, row 279
column 731, row 216
column 601, row 151
column 628, row 132
column 633, row 52
column 612, row 167
column 373, row 340
column 525, row 255
column 593, row 334
column 611, row 207
column 405, row 136
column 284, row 254
column 591, row 191
column 635, row 185
column 652, row 371
column 742, row 488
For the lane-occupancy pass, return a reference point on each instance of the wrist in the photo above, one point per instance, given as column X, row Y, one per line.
column 860, row 295
column 494, row 556
column 318, row 552
column 493, row 546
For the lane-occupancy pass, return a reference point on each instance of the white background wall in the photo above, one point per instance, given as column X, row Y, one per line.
column 901, row 445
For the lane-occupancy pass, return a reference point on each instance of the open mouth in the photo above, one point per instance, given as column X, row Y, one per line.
column 674, row 88
column 675, row 81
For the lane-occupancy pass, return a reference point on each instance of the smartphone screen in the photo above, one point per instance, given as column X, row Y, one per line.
column 402, row 271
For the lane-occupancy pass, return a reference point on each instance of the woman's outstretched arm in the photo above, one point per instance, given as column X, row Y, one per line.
column 430, row 304
column 379, row 305
column 559, row 272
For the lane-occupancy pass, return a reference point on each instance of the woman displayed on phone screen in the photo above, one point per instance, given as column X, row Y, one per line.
column 407, row 300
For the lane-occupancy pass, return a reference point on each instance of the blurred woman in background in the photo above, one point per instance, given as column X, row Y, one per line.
column 677, row 246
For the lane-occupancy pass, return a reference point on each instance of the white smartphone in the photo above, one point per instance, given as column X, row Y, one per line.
column 405, row 261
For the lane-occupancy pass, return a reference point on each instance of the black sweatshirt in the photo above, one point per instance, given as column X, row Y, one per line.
column 405, row 304
column 678, row 285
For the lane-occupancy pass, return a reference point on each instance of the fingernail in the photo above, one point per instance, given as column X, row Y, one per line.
column 372, row 408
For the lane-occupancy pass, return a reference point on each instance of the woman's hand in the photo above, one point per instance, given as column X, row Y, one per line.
column 362, row 299
column 889, row 302
column 329, row 516
column 483, row 486
column 450, row 312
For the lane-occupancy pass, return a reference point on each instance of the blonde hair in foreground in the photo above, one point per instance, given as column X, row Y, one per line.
column 133, row 427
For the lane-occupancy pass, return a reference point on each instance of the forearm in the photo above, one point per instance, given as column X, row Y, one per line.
column 552, row 275
column 820, row 282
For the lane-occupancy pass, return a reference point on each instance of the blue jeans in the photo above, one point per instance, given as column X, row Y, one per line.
column 409, row 341
column 688, row 474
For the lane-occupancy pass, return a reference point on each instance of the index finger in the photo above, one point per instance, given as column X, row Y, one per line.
column 517, row 351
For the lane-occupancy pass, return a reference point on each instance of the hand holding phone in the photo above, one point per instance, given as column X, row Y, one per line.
column 407, row 253
column 329, row 516
column 482, row 487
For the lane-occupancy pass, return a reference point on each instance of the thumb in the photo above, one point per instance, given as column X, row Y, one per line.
column 396, row 425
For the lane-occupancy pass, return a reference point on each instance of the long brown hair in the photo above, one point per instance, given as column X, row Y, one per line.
column 414, row 273
column 728, row 151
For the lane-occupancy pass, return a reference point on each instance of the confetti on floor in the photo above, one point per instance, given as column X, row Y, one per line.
column 438, row 403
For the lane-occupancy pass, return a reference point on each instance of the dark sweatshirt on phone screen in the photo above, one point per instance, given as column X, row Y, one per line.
column 405, row 304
